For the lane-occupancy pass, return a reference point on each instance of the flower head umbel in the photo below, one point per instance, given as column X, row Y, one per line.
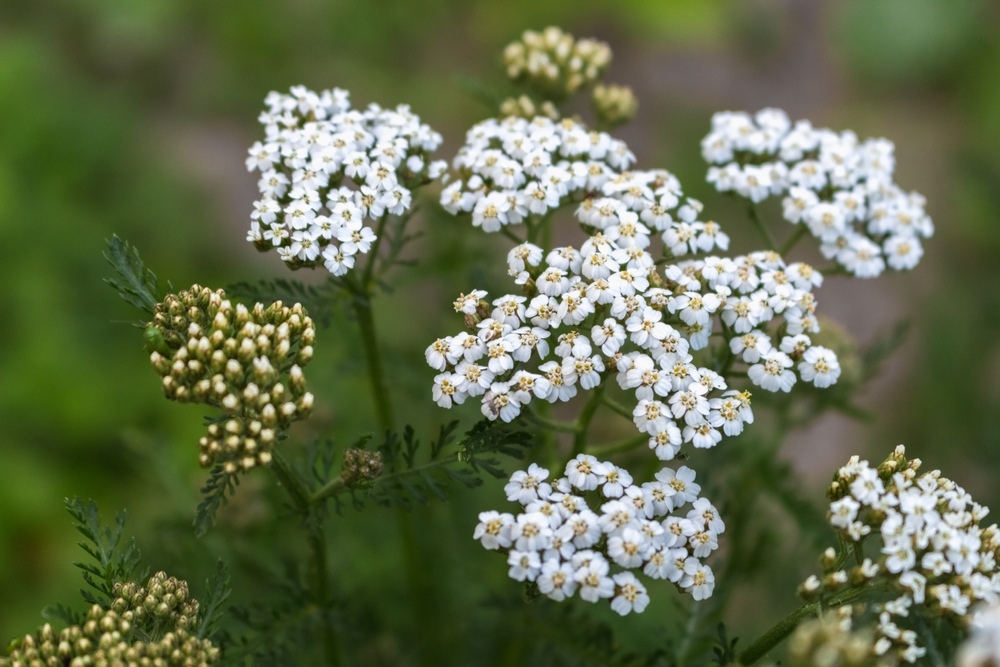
column 935, row 559
column 512, row 169
column 326, row 169
column 605, row 308
column 576, row 328
column 839, row 188
column 567, row 546
column 245, row 361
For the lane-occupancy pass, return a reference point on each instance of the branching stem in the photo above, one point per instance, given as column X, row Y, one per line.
column 759, row 224
column 759, row 648
column 794, row 239
column 583, row 420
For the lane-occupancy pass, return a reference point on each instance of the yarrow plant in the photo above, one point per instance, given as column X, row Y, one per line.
column 627, row 308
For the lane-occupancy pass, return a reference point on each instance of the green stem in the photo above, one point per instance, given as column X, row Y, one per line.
column 511, row 235
column 369, row 343
column 620, row 446
column 373, row 255
column 834, row 270
column 618, row 407
column 793, row 239
column 764, row 232
column 337, row 486
column 583, row 420
column 332, row 488
column 316, row 536
column 552, row 424
column 361, row 302
column 292, row 482
column 759, row 648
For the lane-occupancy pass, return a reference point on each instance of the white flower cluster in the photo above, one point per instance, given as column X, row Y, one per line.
column 982, row 648
column 602, row 310
column 513, row 168
column 935, row 556
column 326, row 168
column 840, row 188
column 564, row 547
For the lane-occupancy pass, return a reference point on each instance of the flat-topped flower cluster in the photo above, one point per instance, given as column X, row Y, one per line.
column 327, row 168
column 566, row 548
column 514, row 168
column 841, row 189
column 934, row 554
column 575, row 332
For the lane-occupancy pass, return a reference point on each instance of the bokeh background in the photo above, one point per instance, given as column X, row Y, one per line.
column 133, row 118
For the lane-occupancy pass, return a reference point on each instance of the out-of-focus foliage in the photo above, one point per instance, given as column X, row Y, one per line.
column 132, row 118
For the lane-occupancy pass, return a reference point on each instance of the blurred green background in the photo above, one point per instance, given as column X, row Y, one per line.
column 133, row 118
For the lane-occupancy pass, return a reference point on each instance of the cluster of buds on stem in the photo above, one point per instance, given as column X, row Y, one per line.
column 153, row 624
column 832, row 641
column 523, row 106
column 555, row 63
column 935, row 561
column 615, row 105
column 245, row 361
column 360, row 466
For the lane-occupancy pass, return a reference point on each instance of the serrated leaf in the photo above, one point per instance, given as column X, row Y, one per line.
column 133, row 281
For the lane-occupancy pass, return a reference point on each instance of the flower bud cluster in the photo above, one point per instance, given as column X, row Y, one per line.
column 982, row 648
column 360, row 466
column 153, row 624
column 246, row 362
column 554, row 63
column 564, row 547
column 615, row 105
column 587, row 317
column 841, row 189
column 326, row 168
column 523, row 106
column 832, row 641
column 935, row 557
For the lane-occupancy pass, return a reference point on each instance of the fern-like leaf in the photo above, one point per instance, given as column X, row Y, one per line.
column 102, row 545
column 406, row 481
column 64, row 614
column 211, row 605
column 318, row 300
column 133, row 281
column 217, row 491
